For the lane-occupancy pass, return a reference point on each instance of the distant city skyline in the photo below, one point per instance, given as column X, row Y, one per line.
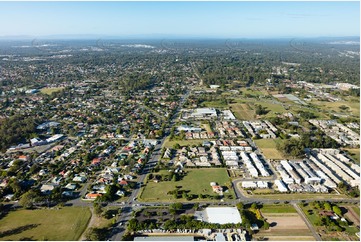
column 181, row 19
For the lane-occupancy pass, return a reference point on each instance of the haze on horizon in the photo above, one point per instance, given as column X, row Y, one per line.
column 181, row 19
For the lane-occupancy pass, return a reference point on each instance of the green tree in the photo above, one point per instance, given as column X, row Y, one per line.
column 254, row 206
column 240, row 206
column 327, row 206
column 97, row 234
column 27, row 199
column 98, row 209
column 337, row 210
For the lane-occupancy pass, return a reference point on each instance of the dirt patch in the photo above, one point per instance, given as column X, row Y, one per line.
column 286, row 227
column 352, row 216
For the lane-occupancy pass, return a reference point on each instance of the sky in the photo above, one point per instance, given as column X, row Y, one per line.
column 181, row 19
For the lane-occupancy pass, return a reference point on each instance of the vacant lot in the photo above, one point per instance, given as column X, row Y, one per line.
column 207, row 127
column 268, row 148
column 45, row 224
column 278, row 208
column 215, row 104
column 242, row 111
column 170, row 144
column 49, row 91
column 285, row 226
column 197, row 181
column 353, row 106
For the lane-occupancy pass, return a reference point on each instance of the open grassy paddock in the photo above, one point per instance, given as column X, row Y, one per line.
column 170, row 144
column 268, row 148
column 353, row 105
column 242, row 111
column 278, row 208
column 66, row 223
column 197, row 181
column 50, row 90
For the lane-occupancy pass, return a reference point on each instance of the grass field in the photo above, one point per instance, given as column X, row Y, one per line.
column 278, row 208
column 50, row 90
column 268, row 148
column 170, row 144
column 354, row 107
column 355, row 153
column 242, row 111
column 45, row 224
column 215, row 104
column 197, row 181
column 207, row 127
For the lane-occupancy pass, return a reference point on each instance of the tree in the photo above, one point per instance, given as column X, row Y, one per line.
column 97, row 208
column 337, row 210
column 254, row 206
column 147, row 214
column 133, row 225
column 240, row 206
column 177, row 206
column 265, row 225
column 97, row 234
column 27, row 199
column 327, row 206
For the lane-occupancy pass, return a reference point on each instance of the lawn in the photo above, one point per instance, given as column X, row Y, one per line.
column 170, row 144
column 50, row 90
column 45, row 224
column 268, row 148
column 278, row 208
column 197, row 181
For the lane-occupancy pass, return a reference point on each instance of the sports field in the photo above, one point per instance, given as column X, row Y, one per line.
column 45, row 224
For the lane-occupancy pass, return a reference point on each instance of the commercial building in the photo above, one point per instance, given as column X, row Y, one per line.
column 220, row 215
